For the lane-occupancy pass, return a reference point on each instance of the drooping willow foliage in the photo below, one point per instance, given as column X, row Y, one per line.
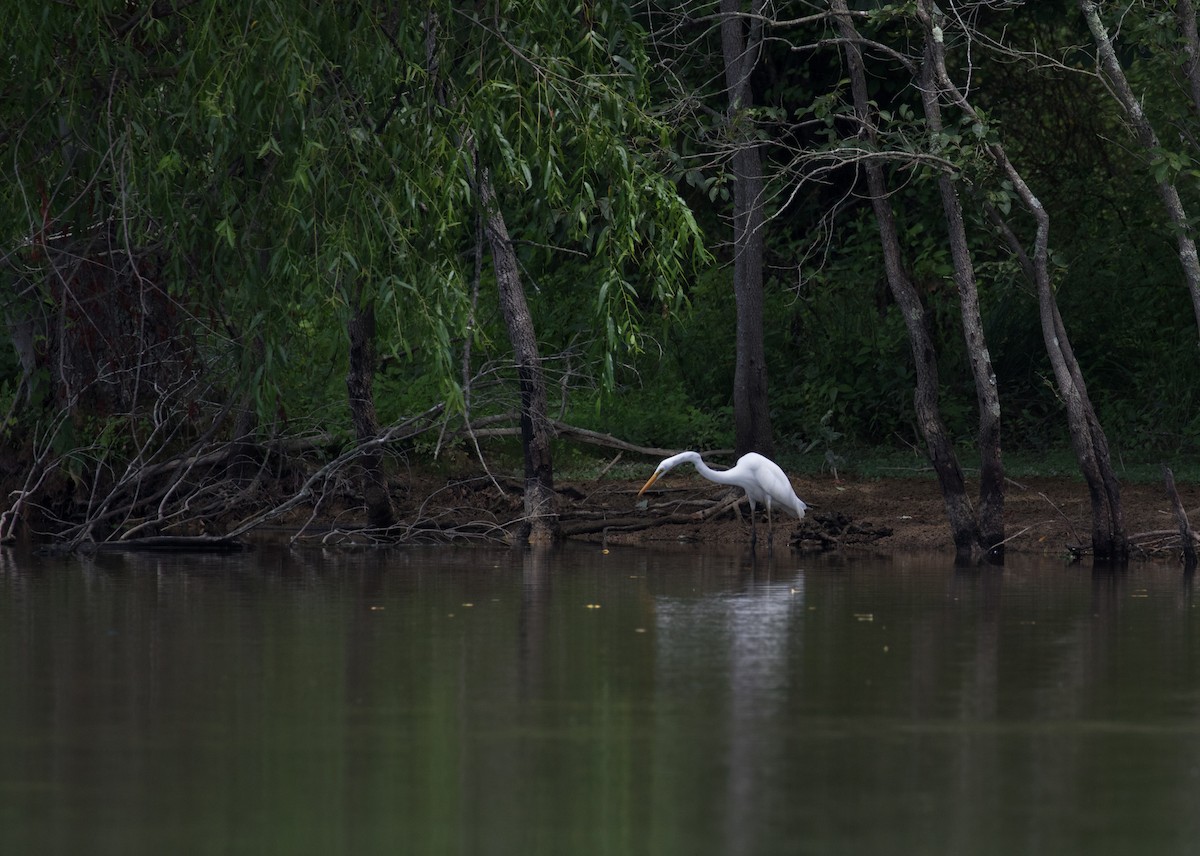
column 196, row 198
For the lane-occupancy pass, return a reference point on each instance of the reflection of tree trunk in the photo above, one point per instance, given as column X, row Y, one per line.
column 536, row 641
column 359, row 379
column 941, row 454
column 991, row 475
column 1087, row 436
column 751, row 415
column 535, row 424
column 1144, row 131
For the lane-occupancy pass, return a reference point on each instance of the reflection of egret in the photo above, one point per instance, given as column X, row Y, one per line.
column 761, row 479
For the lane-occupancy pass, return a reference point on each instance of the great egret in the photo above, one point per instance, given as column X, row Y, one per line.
column 760, row 477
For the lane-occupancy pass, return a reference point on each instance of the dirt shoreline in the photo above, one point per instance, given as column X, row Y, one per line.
column 1044, row 515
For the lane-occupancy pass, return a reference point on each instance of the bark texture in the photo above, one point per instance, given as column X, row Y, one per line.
column 1087, row 435
column 740, row 44
column 360, row 389
column 963, row 527
column 987, row 397
column 536, row 430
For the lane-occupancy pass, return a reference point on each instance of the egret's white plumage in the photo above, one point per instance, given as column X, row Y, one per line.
column 760, row 477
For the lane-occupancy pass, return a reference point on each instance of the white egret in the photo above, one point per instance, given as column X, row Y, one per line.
column 760, row 477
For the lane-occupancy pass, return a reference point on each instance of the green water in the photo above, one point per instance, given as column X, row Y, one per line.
column 466, row 701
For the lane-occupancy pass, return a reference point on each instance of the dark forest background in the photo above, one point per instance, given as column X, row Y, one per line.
column 295, row 247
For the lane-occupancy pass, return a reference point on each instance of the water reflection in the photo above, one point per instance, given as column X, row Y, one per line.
column 635, row 701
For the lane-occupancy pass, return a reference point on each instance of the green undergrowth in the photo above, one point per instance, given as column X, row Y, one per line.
column 579, row 462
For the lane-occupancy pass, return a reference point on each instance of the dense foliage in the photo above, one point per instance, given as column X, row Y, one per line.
column 256, row 171
column 837, row 344
column 195, row 197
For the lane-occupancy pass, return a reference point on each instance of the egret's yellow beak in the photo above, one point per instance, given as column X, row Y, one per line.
column 653, row 479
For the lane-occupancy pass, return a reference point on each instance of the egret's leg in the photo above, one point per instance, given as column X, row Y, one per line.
column 770, row 528
column 753, row 530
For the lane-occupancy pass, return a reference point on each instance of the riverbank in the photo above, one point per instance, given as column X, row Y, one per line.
column 1042, row 514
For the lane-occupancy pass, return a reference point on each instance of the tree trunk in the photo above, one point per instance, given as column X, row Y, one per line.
column 1087, row 436
column 359, row 387
column 987, row 397
column 1184, row 234
column 1185, row 13
column 751, row 413
column 963, row 527
column 1187, row 538
column 245, row 456
column 536, row 432
column 1089, row 440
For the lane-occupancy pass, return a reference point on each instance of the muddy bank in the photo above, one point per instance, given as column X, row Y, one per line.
column 1048, row 515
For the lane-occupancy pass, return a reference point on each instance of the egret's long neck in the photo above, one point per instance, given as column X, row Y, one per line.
column 718, row 476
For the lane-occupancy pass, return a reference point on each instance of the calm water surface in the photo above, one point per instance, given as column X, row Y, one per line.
column 463, row 701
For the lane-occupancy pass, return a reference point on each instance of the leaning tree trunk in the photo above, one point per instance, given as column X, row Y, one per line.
column 987, row 397
column 359, row 387
column 1087, row 436
column 751, row 414
column 963, row 527
column 1185, row 237
column 540, row 518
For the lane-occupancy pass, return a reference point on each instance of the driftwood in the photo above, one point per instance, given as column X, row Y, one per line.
column 419, row 532
column 1147, row 543
column 834, row 531
column 400, row 431
column 144, row 502
column 707, row 509
column 583, row 435
column 826, row 531
column 1157, row 541
column 629, row 523
column 303, row 492
column 596, row 438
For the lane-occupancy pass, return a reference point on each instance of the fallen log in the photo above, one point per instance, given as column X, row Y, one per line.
column 172, row 544
column 583, row 435
column 623, row 524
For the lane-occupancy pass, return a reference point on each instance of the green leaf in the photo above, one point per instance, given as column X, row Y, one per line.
column 224, row 229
